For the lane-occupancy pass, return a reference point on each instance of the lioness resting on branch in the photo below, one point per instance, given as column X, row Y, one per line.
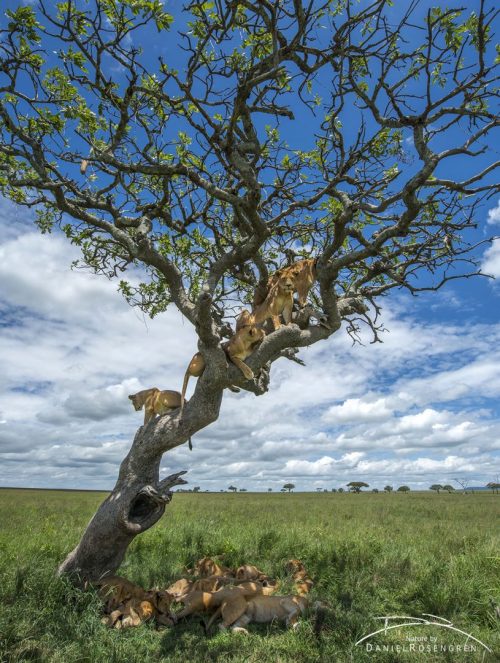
column 275, row 298
column 238, row 348
column 303, row 274
column 157, row 402
column 279, row 301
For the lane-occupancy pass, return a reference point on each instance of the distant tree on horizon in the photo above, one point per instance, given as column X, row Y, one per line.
column 388, row 489
column 269, row 490
column 494, row 486
column 289, row 486
column 403, row 489
column 464, row 483
column 341, row 490
column 437, row 487
column 196, row 489
column 448, row 488
column 232, row 488
column 356, row 486
column 375, row 490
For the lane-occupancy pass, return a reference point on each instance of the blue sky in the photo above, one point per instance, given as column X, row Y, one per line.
column 423, row 407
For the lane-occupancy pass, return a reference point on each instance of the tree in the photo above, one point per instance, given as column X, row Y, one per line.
column 403, row 489
column 448, row 488
column 196, row 489
column 233, row 489
column 341, row 490
column 375, row 490
column 388, row 489
column 289, row 486
column 194, row 175
column 464, row 483
column 269, row 490
column 355, row 486
column 494, row 485
column 243, row 490
column 437, row 487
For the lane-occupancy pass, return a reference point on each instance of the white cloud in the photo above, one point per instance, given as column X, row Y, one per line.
column 494, row 215
column 491, row 260
column 72, row 351
column 355, row 410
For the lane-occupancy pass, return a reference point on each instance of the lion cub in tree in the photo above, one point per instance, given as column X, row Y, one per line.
column 239, row 347
column 303, row 274
column 279, row 301
column 275, row 298
column 156, row 402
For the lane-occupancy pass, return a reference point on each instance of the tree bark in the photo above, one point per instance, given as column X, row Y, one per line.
column 139, row 498
column 136, row 503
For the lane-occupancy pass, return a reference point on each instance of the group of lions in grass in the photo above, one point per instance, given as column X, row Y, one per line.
column 235, row 596
column 271, row 301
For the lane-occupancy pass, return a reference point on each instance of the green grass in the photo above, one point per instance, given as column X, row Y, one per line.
column 369, row 555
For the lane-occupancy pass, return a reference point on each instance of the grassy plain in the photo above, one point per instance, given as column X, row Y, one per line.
column 369, row 554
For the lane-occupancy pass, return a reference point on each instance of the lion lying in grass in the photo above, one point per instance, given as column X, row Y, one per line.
column 127, row 604
column 237, row 596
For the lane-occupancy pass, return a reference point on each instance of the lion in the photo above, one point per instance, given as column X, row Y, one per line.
column 266, row 609
column 239, row 347
column 206, row 567
column 118, row 592
column 302, row 580
column 157, row 402
column 180, row 587
column 303, row 274
column 279, row 301
column 115, row 590
column 198, row 601
column 135, row 612
column 250, row 572
column 204, row 584
column 238, row 611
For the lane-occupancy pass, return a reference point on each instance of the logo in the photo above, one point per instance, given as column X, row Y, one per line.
column 420, row 643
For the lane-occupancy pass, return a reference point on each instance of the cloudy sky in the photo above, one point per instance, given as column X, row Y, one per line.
column 422, row 407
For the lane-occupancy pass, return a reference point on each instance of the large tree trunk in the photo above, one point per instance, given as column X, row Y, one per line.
column 139, row 498
column 135, row 504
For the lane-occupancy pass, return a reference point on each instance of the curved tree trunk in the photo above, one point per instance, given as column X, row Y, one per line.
column 135, row 504
column 139, row 498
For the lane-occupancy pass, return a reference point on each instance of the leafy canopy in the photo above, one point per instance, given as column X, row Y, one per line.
column 263, row 132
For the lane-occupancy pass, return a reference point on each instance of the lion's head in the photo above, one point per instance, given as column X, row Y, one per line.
column 140, row 397
column 253, row 334
column 286, row 282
